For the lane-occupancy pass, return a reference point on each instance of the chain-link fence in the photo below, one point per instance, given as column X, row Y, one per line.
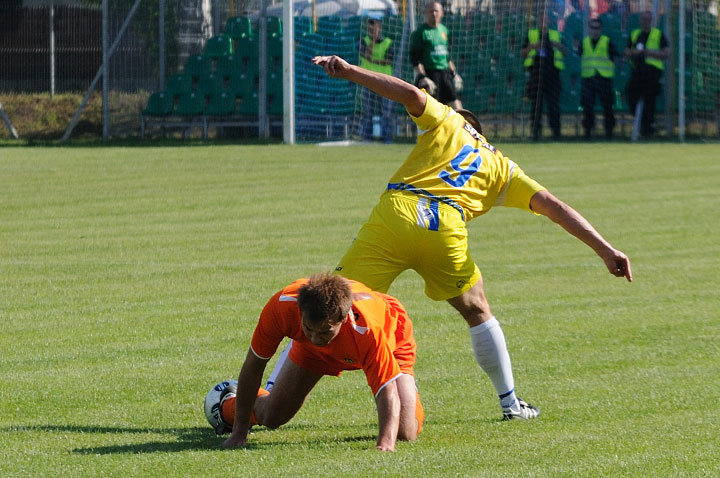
column 195, row 66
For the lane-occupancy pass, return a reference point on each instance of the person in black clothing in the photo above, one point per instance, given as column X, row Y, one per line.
column 647, row 49
column 598, row 69
column 543, row 52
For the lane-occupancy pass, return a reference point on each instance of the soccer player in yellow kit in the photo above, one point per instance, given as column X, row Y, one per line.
column 451, row 176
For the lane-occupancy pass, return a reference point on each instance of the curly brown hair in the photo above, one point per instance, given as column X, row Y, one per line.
column 325, row 297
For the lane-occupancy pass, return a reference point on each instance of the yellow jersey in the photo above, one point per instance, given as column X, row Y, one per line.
column 454, row 164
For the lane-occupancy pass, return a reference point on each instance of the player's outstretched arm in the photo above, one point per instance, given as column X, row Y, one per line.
column 616, row 261
column 388, row 407
column 395, row 89
column 247, row 387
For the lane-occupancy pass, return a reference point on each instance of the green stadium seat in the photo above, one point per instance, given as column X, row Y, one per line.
column 330, row 25
column 514, row 21
column 197, row 66
column 238, row 27
column 178, row 84
column 513, row 38
column 570, row 96
column 274, row 27
column 249, row 105
column 343, row 46
column 274, row 83
column 190, row 104
column 242, row 84
column 483, row 23
column 554, row 17
column 622, row 75
column 572, row 64
column 573, row 34
column 247, row 54
column 221, row 104
column 393, row 27
column 357, row 26
column 159, row 104
column 611, row 22
column 633, row 22
column 227, row 65
column 275, row 104
column 507, row 99
column 497, row 44
column 274, row 52
column 217, row 46
column 303, row 25
column 210, row 84
column 310, row 46
column 455, row 24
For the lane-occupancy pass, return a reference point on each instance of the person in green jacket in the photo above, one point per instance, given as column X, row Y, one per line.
column 430, row 58
column 376, row 54
column 647, row 49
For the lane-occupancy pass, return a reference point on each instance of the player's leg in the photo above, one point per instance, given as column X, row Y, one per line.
column 607, row 99
column 451, row 274
column 278, row 366
column 412, row 414
column 490, row 350
column 647, row 124
column 535, row 98
column 552, row 103
column 379, row 252
column 386, row 121
column 289, row 393
column 632, row 92
column 367, row 113
column 587, row 101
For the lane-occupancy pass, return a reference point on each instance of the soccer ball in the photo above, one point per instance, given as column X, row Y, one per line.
column 212, row 404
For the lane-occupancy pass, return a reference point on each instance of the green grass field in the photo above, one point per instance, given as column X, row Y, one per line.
column 131, row 280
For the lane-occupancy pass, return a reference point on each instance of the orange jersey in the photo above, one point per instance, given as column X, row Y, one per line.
column 379, row 340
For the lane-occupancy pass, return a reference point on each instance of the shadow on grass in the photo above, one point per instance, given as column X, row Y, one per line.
column 191, row 438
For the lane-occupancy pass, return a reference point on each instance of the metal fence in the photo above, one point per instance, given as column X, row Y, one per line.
column 51, row 48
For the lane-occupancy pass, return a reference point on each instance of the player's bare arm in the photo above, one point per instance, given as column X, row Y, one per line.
column 248, row 384
column 395, row 89
column 388, row 407
column 616, row 261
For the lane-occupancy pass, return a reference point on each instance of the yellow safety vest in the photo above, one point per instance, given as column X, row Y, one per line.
column 534, row 37
column 597, row 59
column 652, row 43
column 378, row 53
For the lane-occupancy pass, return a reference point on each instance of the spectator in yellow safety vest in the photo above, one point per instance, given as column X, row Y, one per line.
column 647, row 49
column 597, row 55
column 376, row 54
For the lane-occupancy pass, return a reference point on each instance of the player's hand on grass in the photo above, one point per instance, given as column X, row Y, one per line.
column 618, row 264
column 333, row 65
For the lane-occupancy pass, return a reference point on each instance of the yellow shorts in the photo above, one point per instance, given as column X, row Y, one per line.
column 407, row 231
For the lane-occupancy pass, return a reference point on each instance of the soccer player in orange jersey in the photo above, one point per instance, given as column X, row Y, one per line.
column 335, row 325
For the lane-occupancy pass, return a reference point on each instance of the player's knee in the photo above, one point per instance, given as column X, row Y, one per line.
column 475, row 311
column 272, row 420
column 405, row 435
column 269, row 416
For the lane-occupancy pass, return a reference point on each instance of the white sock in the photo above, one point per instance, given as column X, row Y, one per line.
column 488, row 343
column 278, row 365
